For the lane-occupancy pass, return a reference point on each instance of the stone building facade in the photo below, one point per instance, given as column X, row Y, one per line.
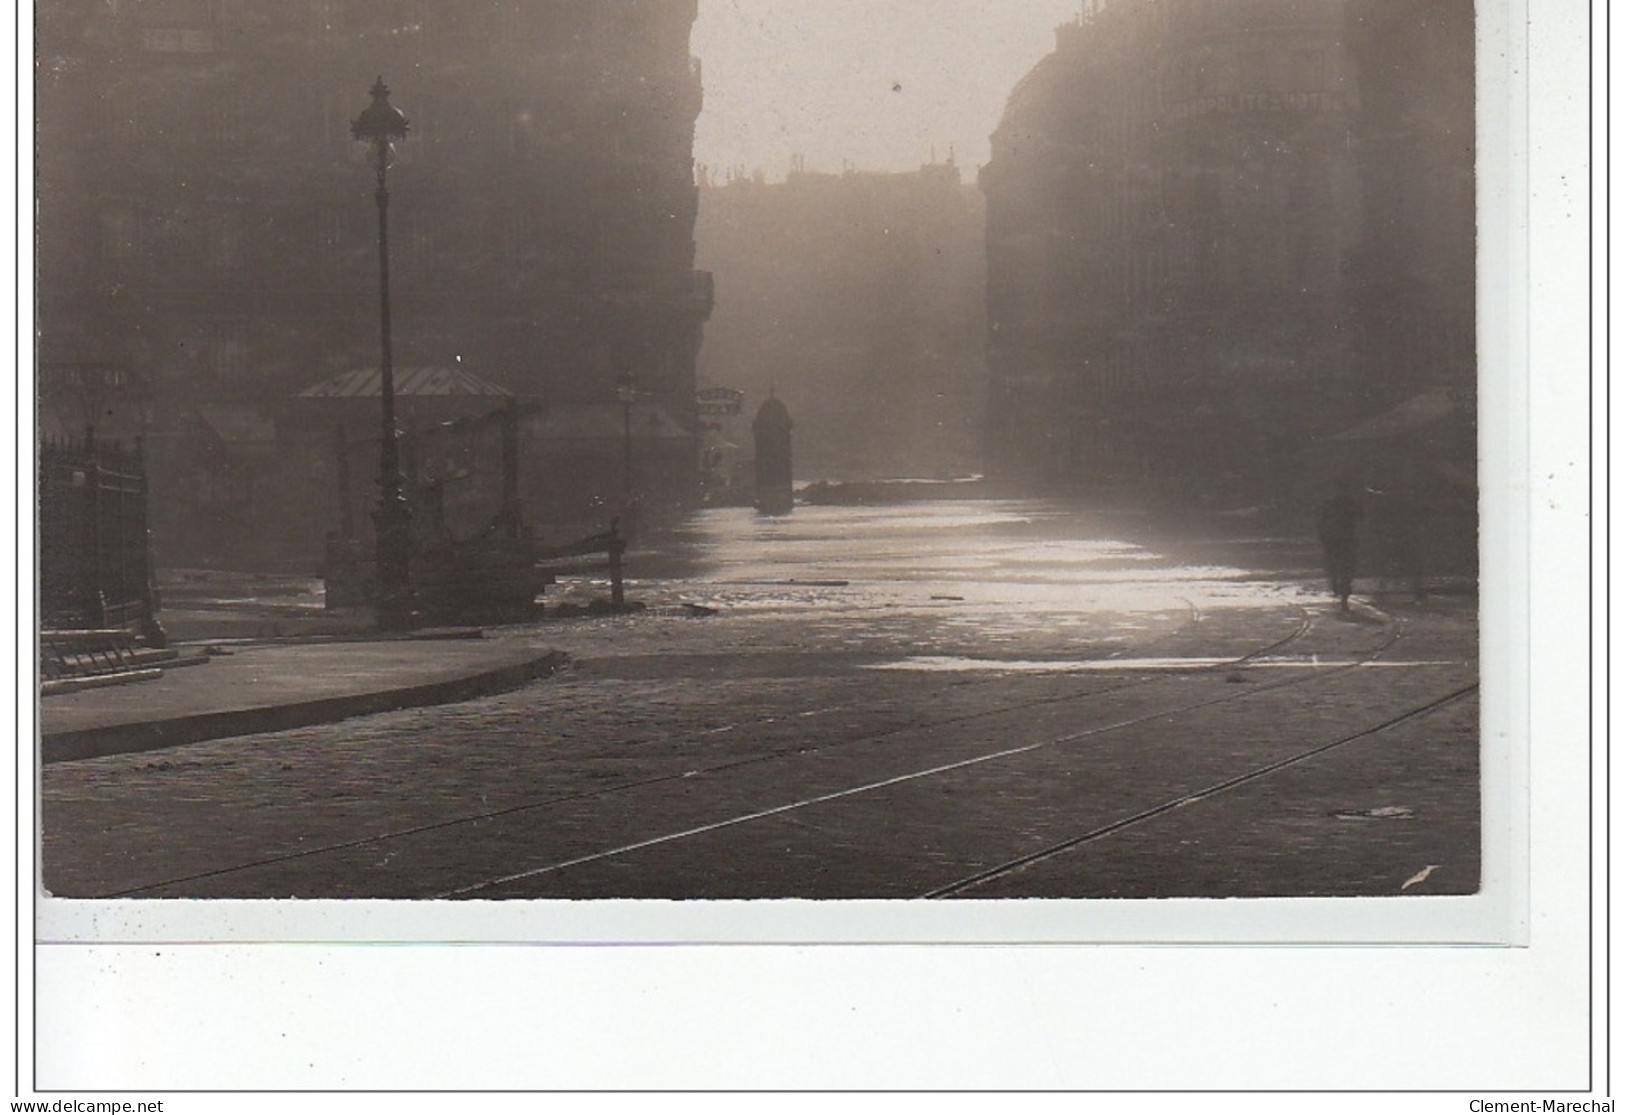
column 1187, row 219
column 1414, row 267
column 207, row 223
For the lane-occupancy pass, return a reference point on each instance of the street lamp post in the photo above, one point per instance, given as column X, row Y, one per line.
column 379, row 126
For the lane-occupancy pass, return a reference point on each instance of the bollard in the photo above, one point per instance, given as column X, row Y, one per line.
column 617, row 591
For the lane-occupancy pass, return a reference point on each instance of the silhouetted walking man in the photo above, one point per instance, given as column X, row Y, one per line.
column 1339, row 527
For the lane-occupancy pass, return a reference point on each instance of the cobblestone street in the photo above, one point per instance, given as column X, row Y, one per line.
column 880, row 703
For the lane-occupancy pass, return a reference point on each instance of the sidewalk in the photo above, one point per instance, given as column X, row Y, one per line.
column 274, row 687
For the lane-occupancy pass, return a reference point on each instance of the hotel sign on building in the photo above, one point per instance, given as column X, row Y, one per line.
column 718, row 402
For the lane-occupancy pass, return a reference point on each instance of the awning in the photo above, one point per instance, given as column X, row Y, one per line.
column 367, row 383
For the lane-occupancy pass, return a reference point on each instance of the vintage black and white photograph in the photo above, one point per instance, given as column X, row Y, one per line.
column 758, row 449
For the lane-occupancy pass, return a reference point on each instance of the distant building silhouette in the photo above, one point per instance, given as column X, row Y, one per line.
column 775, row 466
column 1198, row 212
column 1412, row 274
column 1413, row 268
column 859, row 298
column 206, row 220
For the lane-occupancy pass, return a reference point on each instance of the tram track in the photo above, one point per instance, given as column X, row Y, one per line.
column 1392, row 633
column 1305, row 623
column 1010, row 867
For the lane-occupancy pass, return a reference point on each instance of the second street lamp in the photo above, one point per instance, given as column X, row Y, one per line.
column 379, row 126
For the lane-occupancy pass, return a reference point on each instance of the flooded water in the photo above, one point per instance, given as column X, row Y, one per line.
column 993, row 551
column 1007, row 577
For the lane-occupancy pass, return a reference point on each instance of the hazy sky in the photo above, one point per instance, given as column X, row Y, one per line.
column 874, row 83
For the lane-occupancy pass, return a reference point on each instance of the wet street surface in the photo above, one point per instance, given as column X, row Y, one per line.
column 966, row 700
